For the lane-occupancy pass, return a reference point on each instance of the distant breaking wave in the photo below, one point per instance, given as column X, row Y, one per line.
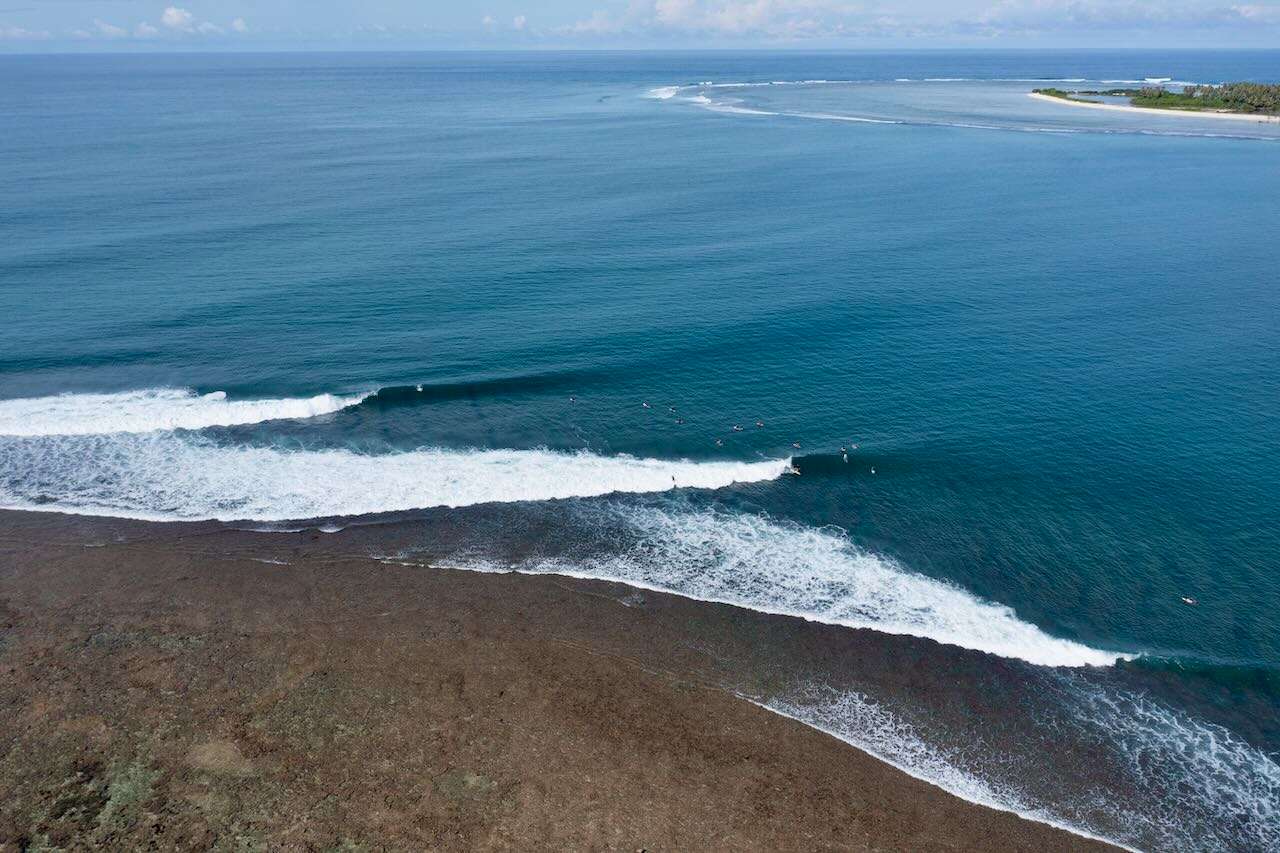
column 154, row 409
column 791, row 570
column 165, row 476
column 158, row 409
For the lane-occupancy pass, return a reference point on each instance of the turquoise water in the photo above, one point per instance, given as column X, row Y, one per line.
column 431, row 281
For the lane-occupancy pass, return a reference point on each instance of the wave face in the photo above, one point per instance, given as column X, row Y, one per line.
column 787, row 569
column 154, row 409
column 169, row 476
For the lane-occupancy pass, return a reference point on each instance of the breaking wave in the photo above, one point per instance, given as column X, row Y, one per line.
column 168, row 476
column 787, row 569
column 154, row 409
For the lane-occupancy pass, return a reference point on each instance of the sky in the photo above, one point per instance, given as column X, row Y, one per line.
column 29, row 26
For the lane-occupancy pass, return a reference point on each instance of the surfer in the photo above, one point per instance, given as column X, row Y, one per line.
column 796, row 445
column 759, row 424
column 646, row 404
column 1190, row 602
column 719, row 442
column 737, row 428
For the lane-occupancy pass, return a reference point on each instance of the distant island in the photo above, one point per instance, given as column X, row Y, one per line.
column 1257, row 101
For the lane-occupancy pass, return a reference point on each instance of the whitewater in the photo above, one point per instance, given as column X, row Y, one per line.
column 791, row 570
column 154, row 409
column 141, row 464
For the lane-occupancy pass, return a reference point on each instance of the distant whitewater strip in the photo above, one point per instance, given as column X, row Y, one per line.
column 791, row 570
column 991, row 114
column 154, row 409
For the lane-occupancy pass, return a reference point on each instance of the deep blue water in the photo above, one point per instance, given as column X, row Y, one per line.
column 1053, row 333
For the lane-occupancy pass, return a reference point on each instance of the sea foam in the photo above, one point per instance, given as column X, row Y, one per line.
column 184, row 476
column 857, row 720
column 1185, row 785
column 154, row 409
column 776, row 567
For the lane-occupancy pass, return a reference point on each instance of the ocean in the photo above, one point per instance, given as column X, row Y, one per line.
column 868, row 339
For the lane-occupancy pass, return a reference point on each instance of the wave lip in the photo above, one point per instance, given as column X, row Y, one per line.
column 790, row 570
column 165, row 476
column 154, row 409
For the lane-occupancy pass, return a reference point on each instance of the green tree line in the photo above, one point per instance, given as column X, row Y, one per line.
column 1236, row 97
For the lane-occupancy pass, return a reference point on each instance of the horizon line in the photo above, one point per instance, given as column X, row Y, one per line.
column 608, row 50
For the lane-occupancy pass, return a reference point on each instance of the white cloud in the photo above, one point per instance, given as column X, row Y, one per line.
column 110, row 31
column 1255, row 12
column 794, row 20
column 487, row 22
column 145, row 31
column 178, row 19
column 519, row 22
column 600, row 23
column 1058, row 15
column 674, row 12
column 239, row 25
column 783, row 19
column 208, row 29
column 21, row 34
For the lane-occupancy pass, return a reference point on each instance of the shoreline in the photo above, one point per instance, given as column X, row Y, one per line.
column 249, row 668
column 1256, row 119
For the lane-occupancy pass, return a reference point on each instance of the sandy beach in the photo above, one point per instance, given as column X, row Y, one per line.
column 1256, row 119
column 187, row 686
